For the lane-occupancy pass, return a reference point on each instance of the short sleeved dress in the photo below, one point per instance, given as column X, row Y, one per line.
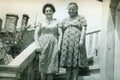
column 72, row 54
column 48, row 59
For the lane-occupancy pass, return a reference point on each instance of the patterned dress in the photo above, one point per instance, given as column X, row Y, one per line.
column 72, row 54
column 48, row 59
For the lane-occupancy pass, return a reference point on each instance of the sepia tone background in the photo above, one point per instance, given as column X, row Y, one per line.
column 26, row 58
column 102, row 38
column 91, row 9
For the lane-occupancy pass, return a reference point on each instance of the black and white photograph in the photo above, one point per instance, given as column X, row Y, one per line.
column 59, row 39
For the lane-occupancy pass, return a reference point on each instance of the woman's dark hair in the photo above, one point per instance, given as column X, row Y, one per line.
column 48, row 5
column 73, row 3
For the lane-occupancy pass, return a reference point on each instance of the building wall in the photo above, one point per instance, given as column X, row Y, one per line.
column 109, row 40
column 117, row 46
column 91, row 9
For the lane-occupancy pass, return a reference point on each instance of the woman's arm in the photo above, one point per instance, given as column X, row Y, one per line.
column 83, row 24
column 60, row 37
column 82, row 38
column 36, row 37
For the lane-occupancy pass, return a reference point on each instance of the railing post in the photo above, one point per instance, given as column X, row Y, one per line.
column 36, row 67
column 9, row 73
column 23, row 67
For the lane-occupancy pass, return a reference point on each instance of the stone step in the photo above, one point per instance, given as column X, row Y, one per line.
column 89, row 74
column 90, row 77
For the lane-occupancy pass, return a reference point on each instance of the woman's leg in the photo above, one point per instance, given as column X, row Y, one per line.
column 75, row 73
column 49, row 76
column 68, row 73
column 43, row 76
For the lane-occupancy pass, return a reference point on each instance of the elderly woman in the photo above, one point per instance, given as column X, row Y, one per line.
column 73, row 52
column 46, row 39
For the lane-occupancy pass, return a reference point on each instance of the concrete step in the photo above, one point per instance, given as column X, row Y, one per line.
column 90, row 77
column 92, row 73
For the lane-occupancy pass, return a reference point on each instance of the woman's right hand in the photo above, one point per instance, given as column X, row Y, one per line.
column 58, row 49
column 37, row 50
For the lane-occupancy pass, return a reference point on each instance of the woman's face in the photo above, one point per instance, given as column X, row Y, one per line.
column 48, row 12
column 72, row 10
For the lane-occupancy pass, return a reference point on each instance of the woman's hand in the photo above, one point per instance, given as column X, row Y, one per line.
column 58, row 47
column 81, row 44
column 59, row 51
column 37, row 50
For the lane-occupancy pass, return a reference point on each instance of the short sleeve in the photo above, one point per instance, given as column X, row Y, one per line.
column 64, row 23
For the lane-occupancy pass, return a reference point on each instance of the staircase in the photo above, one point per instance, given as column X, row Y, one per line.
column 25, row 65
column 90, row 73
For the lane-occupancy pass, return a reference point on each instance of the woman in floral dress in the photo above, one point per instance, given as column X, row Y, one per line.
column 46, row 39
column 73, row 52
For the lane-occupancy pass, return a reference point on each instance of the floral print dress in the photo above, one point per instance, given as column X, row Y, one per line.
column 48, row 59
column 72, row 54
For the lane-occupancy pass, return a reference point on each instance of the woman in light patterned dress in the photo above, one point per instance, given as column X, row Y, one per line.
column 46, row 39
column 73, row 52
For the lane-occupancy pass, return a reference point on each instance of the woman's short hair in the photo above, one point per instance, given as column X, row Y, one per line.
column 73, row 3
column 48, row 5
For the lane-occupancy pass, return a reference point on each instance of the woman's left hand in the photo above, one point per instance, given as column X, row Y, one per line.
column 81, row 44
column 37, row 50
column 58, row 49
